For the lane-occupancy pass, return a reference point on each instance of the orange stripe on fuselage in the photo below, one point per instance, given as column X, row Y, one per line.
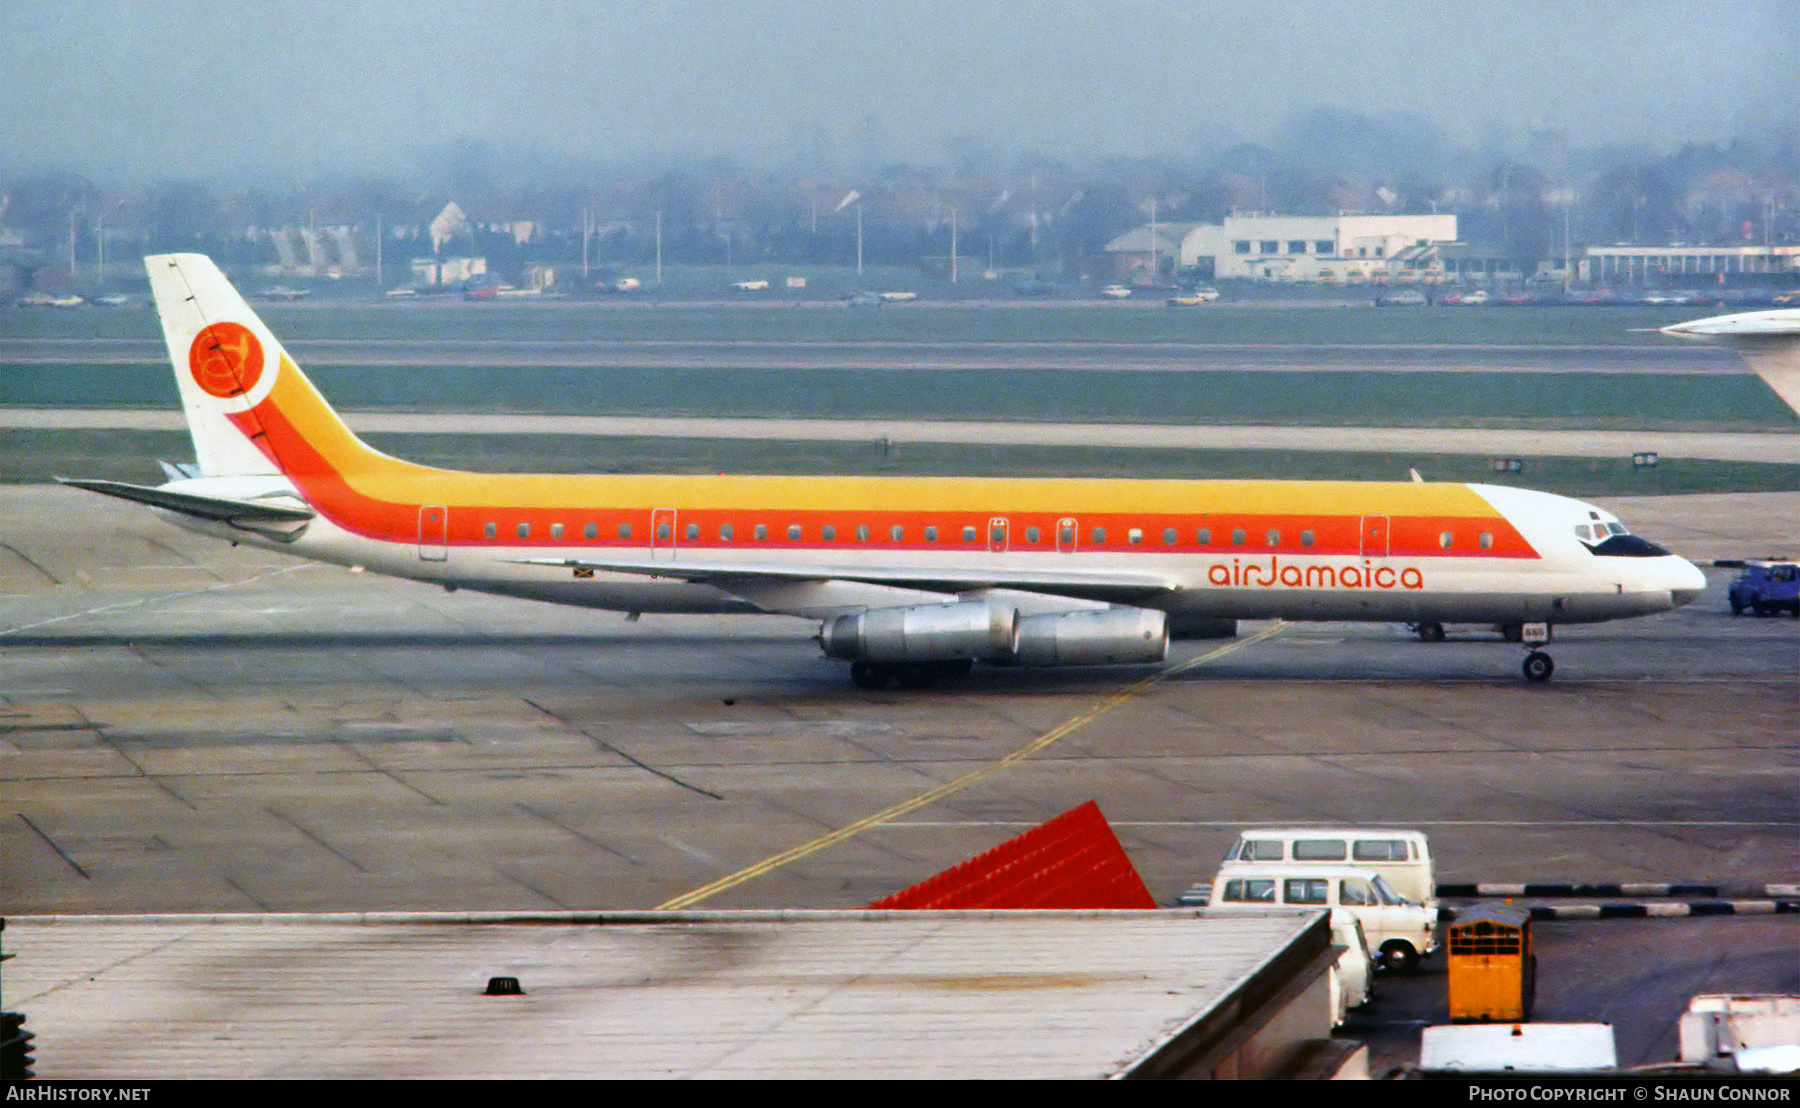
column 370, row 494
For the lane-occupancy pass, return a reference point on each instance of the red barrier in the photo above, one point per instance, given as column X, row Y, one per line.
column 1073, row 861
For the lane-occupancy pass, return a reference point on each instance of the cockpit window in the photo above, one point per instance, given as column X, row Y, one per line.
column 1629, row 546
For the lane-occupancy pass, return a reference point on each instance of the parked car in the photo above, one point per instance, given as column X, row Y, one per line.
column 1766, row 588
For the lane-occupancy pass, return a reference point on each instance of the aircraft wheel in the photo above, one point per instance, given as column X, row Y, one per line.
column 1431, row 632
column 1399, row 957
column 915, row 677
column 1538, row 666
column 869, row 675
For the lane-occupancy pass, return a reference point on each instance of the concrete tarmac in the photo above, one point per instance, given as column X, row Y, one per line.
column 186, row 726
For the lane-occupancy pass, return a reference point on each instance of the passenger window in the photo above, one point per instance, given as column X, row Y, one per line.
column 793, row 532
column 725, row 532
column 1445, row 538
column 1318, row 850
column 624, row 530
column 1065, row 534
column 1253, row 890
column 1238, row 537
column 897, row 532
column 1168, row 536
column 862, row 533
column 761, row 532
column 968, row 534
column 931, row 534
column 524, row 530
column 1307, row 538
column 556, row 530
column 1261, row 850
column 997, row 535
column 1098, row 537
column 1135, row 536
column 488, row 530
column 591, row 531
column 1306, row 890
column 1203, row 537
column 693, row 532
column 1486, row 539
column 1273, row 538
column 1031, row 535
column 1355, row 891
column 1379, row 850
column 828, row 533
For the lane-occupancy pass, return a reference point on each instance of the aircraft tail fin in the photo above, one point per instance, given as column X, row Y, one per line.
column 1768, row 341
column 247, row 403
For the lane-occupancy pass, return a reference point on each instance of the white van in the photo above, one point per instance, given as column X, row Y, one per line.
column 1398, row 931
column 1402, row 857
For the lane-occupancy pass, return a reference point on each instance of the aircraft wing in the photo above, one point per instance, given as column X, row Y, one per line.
column 238, row 513
column 753, row 581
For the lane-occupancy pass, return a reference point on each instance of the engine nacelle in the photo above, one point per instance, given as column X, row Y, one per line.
column 1104, row 637
column 925, row 633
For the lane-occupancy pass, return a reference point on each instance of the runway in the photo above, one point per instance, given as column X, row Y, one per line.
column 1747, row 446
column 190, row 727
column 863, row 355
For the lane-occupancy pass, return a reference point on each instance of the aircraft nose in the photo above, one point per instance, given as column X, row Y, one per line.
column 1687, row 583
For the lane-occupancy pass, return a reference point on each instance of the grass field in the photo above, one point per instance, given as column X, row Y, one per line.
column 1422, row 398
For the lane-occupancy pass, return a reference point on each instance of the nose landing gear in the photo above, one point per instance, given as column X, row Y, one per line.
column 1538, row 665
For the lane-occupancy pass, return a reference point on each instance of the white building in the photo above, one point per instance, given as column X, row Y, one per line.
column 1340, row 248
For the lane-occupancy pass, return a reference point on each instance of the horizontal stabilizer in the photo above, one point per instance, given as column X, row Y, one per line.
column 237, row 512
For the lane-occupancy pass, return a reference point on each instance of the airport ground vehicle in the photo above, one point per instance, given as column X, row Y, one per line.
column 1398, row 931
column 1402, row 858
column 1353, row 976
column 1766, row 588
column 1489, row 965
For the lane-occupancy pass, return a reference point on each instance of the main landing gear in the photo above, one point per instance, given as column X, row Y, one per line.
column 909, row 675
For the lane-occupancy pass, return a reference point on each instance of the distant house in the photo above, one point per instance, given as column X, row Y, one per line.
column 1141, row 256
column 441, row 273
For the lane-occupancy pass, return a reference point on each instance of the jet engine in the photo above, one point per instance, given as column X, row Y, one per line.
column 1103, row 637
column 918, row 643
column 925, row 633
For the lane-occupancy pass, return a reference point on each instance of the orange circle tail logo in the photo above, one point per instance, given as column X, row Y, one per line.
column 226, row 360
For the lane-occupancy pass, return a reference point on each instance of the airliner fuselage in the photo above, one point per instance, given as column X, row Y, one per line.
column 910, row 576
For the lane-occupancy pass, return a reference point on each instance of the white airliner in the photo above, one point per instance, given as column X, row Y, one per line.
column 912, row 577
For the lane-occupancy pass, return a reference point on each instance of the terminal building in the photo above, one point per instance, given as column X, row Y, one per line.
column 1777, row 266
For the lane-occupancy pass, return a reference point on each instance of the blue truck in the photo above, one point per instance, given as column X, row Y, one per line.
column 1766, row 588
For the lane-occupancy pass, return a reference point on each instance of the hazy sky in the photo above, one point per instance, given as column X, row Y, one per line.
column 160, row 88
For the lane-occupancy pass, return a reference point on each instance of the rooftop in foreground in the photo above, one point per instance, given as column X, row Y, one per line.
column 674, row 994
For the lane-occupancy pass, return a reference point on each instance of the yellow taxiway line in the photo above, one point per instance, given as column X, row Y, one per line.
column 1042, row 742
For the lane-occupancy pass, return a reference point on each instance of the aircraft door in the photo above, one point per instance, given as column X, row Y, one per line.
column 662, row 535
column 1375, row 536
column 434, row 533
column 997, row 529
column 1065, row 536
